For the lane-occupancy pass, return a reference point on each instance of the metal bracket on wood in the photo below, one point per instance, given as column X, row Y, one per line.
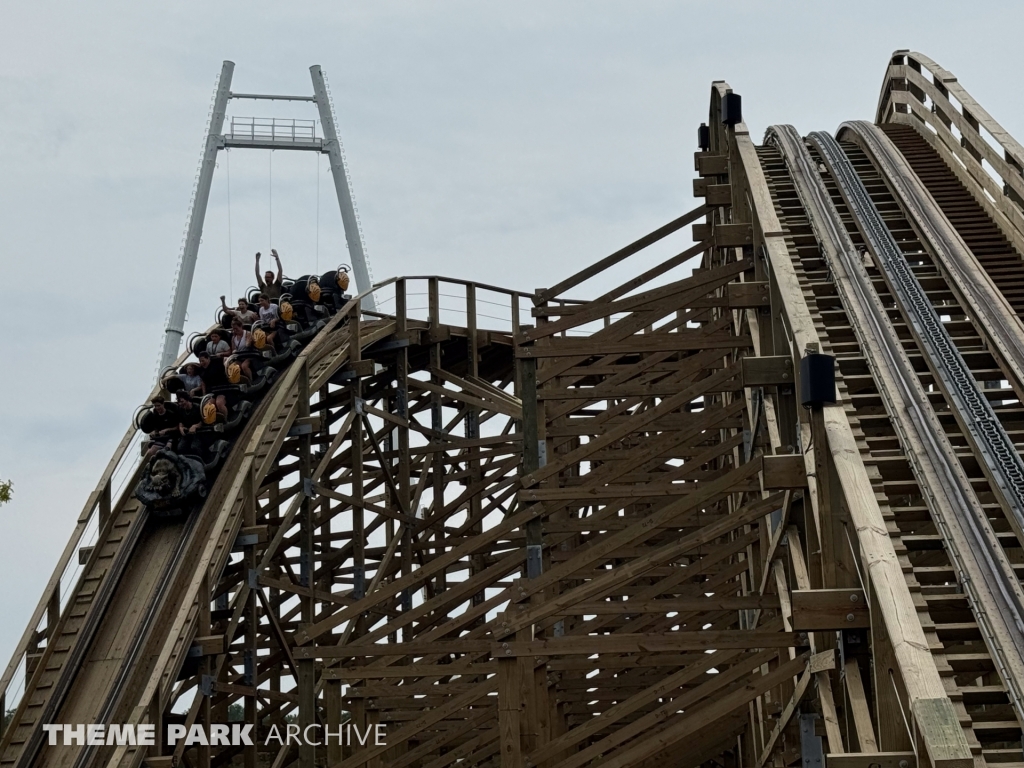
column 534, row 563
column 811, row 754
column 246, row 540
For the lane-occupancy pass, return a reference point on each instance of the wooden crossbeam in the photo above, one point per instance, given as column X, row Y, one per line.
column 623, row 253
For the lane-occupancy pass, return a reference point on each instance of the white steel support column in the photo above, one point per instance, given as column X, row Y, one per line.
column 197, row 215
column 348, row 212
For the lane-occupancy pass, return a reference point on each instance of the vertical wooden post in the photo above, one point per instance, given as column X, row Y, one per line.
column 355, row 354
column 890, row 694
column 437, row 425
column 252, row 618
column 531, row 460
column 53, row 613
column 105, row 504
column 307, row 709
column 471, row 330
column 274, row 596
column 307, row 529
column 403, row 480
column 332, row 706
column 205, row 668
column 509, row 712
column 433, row 303
column 477, row 561
column 826, row 514
column 156, row 717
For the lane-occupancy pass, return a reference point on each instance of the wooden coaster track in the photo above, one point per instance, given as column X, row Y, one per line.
column 609, row 533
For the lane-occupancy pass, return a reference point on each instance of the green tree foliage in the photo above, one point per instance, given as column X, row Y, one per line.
column 6, row 488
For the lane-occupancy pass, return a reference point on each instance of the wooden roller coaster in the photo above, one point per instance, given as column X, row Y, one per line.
column 614, row 531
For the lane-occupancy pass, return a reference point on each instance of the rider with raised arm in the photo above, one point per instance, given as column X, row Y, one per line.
column 268, row 283
column 243, row 313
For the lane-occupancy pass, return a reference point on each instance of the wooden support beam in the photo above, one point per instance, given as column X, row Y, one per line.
column 784, row 472
column 767, row 371
column 873, row 760
column 830, row 609
column 860, row 709
column 820, row 662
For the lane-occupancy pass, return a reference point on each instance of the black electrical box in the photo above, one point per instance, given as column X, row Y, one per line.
column 704, row 137
column 732, row 109
column 817, row 380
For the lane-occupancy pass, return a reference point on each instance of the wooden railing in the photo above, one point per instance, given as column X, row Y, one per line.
column 124, row 464
column 918, row 91
column 470, row 302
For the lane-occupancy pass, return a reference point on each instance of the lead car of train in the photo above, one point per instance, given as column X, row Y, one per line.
column 178, row 477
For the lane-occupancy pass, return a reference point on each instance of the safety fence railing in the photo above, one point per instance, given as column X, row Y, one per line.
column 919, row 91
column 275, row 129
column 453, row 302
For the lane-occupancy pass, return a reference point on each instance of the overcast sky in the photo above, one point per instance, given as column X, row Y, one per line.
column 507, row 143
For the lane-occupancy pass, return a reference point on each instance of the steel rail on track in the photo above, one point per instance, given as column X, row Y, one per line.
column 997, row 449
column 954, row 503
column 989, row 309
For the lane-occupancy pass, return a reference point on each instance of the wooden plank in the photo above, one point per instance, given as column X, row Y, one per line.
column 510, row 713
column 682, row 341
column 602, row 584
column 661, row 688
column 670, row 642
column 711, row 165
column 785, row 471
column 818, row 663
column 830, row 609
column 544, row 295
column 874, row 760
column 415, row 670
column 407, row 648
column 748, row 295
column 828, row 713
column 718, row 195
column 680, row 605
column 734, row 236
column 942, row 735
column 210, row 645
column 860, row 709
column 703, row 716
column 767, row 371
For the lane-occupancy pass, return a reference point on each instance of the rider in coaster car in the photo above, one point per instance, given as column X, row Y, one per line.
column 211, row 370
column 306, row 295
column 161, row 424
column 241, row 344
column 191, row 379
column 217, row 346
column 269, row 283
column 334, row 285
column 243, row 313
column 270, row 318
column 189, row 421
